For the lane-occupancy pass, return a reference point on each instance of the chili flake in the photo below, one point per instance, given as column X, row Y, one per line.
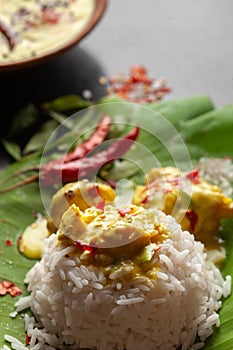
column 101, row 205
column 27, row 340
column 7, row 287
column 84, row 247
column 145, row 200
column 124, row 211
column 138, row 86
column 193, row 176
column 9, row 243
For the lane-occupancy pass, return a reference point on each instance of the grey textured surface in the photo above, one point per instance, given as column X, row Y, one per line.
column 189, row 42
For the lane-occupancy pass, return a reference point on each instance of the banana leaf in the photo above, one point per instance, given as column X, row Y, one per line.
column 212, row 131
column 18, row 207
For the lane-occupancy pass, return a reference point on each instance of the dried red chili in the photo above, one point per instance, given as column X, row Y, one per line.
column 80, row 151
column 138, row 86
column 94, row 140
column 82, row 168
column 72, row 166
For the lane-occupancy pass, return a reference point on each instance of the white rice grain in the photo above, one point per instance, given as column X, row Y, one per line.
column 130, row 301
column 76, row 305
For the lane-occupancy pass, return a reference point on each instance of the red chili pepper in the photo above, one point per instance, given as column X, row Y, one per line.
column 84, row 148
column 82, row 168
column 63, row 171
column 94, row 140
column 8, row 34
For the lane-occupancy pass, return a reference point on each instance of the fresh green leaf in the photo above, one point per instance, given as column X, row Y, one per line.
column 67, row 103
column 39, row 139
column 222, row 338
column 24, row 120
column 12, row 148
column 61, row 118
column 212, row 131
column 17, row 211
column 189, row 116
column 175, row 110
column 186, row 108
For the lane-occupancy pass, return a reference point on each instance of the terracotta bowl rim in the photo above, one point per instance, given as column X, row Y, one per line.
column 100, row 7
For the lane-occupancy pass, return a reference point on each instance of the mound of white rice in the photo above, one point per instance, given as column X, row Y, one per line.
column 76, row 307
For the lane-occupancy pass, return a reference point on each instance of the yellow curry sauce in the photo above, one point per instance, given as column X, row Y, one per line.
column 196, row 204
column 122, row 242
column 33, row 27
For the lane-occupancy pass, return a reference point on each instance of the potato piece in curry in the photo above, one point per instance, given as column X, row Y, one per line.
column 196, row 204
column 113, row 238
column 83, row 194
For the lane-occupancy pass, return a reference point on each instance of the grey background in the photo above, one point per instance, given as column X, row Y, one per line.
column 189, row 42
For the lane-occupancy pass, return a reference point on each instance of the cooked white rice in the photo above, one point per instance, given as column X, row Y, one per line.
column 75, row 306
column 218, row 171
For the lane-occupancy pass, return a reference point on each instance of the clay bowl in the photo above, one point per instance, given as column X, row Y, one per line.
column 99, row 9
